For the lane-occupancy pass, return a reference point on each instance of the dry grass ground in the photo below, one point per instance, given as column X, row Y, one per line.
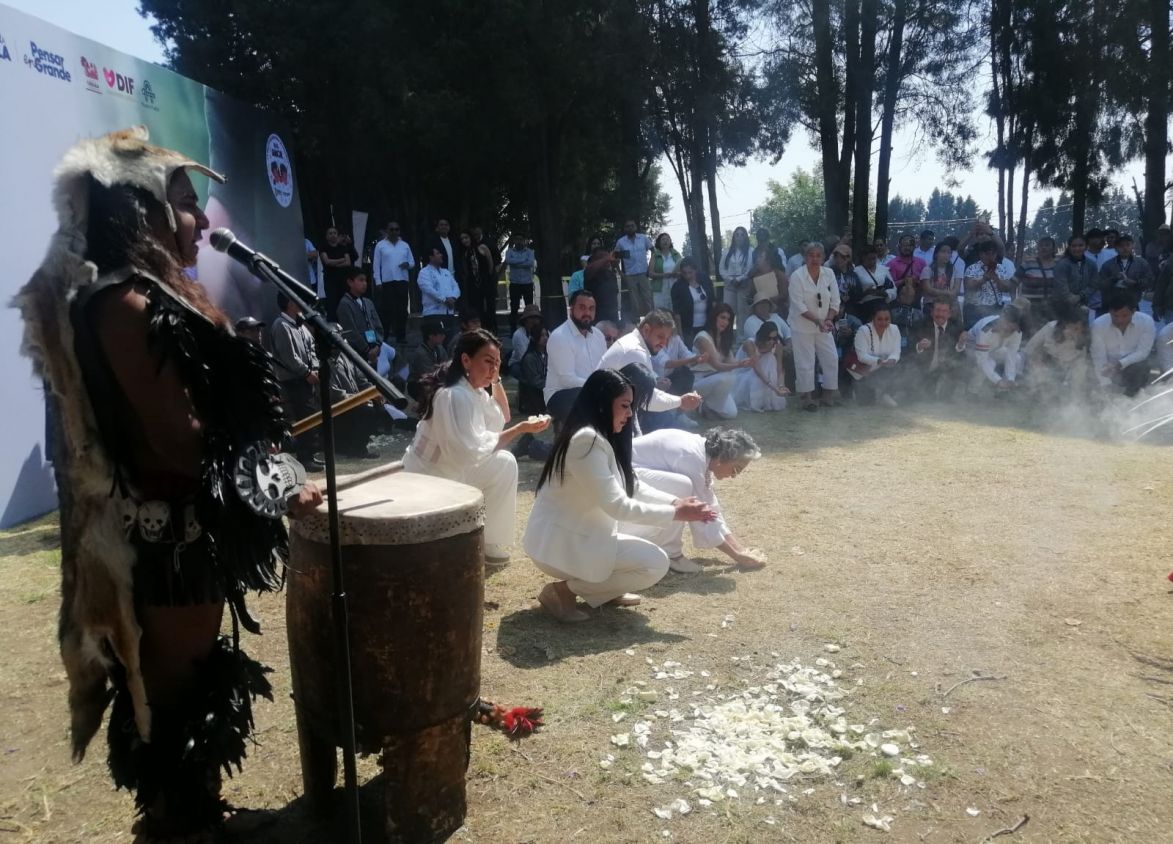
column 929, row 544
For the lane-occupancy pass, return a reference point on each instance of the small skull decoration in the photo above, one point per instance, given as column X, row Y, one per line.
column 127, row 515
column 153, row 517
column 191, row 526
column 265, row 481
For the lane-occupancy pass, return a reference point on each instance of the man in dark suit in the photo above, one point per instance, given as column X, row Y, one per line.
column 933, row 349
column 442, row 240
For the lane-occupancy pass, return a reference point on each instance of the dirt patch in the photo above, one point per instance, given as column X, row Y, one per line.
column 924, row 545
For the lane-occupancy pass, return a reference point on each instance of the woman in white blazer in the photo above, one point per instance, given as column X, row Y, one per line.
column 462, row 435
column 814, row 306
column 586, row 488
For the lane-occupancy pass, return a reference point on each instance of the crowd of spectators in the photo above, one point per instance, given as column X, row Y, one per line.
column 927, row 319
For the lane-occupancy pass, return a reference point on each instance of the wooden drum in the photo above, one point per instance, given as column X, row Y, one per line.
column 413, row 561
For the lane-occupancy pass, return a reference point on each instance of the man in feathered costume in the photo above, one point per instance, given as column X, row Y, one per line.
column 166, row 427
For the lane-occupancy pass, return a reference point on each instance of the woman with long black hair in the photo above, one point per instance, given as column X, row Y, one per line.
column 716, row 375
column 736, row 270
column 586, row 488
column 462, row 434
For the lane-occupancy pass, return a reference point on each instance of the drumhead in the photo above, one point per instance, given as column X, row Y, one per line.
column 400, row 509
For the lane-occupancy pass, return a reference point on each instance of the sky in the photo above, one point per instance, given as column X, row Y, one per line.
column 915, row 172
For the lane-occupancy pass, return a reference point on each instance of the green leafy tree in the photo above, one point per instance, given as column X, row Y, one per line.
column 794, row 211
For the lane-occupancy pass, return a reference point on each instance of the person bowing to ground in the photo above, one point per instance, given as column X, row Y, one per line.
column 462, row 434
column 586, row 489
column 684, row 464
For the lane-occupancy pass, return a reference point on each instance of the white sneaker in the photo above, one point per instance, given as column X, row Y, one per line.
column 683, row 565
column 496, row 555
column 888, row 401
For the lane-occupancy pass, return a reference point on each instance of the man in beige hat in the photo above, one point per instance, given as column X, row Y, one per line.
column 530, row 320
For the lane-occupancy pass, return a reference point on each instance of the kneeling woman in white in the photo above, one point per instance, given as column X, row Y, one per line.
column 681, row 463
column 462, row 435
column 587, row 487
column 716, row 374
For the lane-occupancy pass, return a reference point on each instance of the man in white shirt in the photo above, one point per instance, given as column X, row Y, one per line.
column 638, row 347
column 573, row 352
column 924, row 251
column 1122, row 340
column 442, row 239
column 390, row 271
column 995, row 341
column 439, row 291
column 1096, row 250
column 633, row 249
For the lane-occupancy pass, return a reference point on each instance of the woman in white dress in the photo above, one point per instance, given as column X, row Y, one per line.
column 462, row 435
column 736, row 270
column 814, row 307
column 716, row 375
column 760, row 388
column 586, row 488
column 681, row 463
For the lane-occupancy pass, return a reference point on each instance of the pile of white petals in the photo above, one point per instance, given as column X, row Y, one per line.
column 760, row 742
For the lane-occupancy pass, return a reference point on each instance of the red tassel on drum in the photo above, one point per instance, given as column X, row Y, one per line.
column 517, row 723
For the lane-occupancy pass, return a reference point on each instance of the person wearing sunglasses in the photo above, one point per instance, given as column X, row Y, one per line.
column 814, row 306
column 693, row 299
column 760, row 389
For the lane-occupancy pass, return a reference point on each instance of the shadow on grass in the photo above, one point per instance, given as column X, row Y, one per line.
column 714, row 580
column 43, row 534
column 532, row 639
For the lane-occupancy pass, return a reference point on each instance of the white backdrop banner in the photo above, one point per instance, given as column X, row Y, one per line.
column 55, row 88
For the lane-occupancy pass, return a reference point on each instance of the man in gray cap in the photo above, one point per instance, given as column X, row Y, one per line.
column 250, row 328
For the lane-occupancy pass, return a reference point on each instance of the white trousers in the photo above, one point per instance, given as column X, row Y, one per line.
column 809, row 347
column 670, row 537
column 705, row 535
column 752, row 394
column 716, row 388
column 1165, row 348
column 496, row 478
column 639, row 564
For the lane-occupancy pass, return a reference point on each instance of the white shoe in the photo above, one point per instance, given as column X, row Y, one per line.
column 683, row 565
column 888, row 401
column 496, row 555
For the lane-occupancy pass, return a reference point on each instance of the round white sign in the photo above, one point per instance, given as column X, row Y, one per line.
column 280, row 170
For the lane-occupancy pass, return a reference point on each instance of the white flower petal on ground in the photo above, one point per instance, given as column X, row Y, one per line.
column 621, row 740
column 883, row 824
column 973, row 812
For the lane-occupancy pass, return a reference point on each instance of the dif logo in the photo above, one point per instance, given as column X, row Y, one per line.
column 118, row 82
column 5, row 56
column 91, row 73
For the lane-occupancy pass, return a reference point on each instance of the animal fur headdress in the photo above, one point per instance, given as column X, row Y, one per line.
column 97, row 609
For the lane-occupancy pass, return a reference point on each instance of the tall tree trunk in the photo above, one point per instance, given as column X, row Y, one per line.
column 999, row 121
column 865, row 83
column 1020, row 238
column 834, row 184
column 1008, row 237
column 1157, row 119
column 714, row 213
column 892, row 79
column 547, row 218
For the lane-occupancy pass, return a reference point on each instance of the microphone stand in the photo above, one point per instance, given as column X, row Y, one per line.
column 328, row 340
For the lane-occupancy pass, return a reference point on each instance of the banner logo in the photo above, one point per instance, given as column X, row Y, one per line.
column 91, row 73
column 46, row 63
column 4, row 54
column 147, row 95
column 280, row 171
column 117, row 82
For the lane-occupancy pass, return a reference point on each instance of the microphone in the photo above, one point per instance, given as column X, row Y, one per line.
column 224, row 240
